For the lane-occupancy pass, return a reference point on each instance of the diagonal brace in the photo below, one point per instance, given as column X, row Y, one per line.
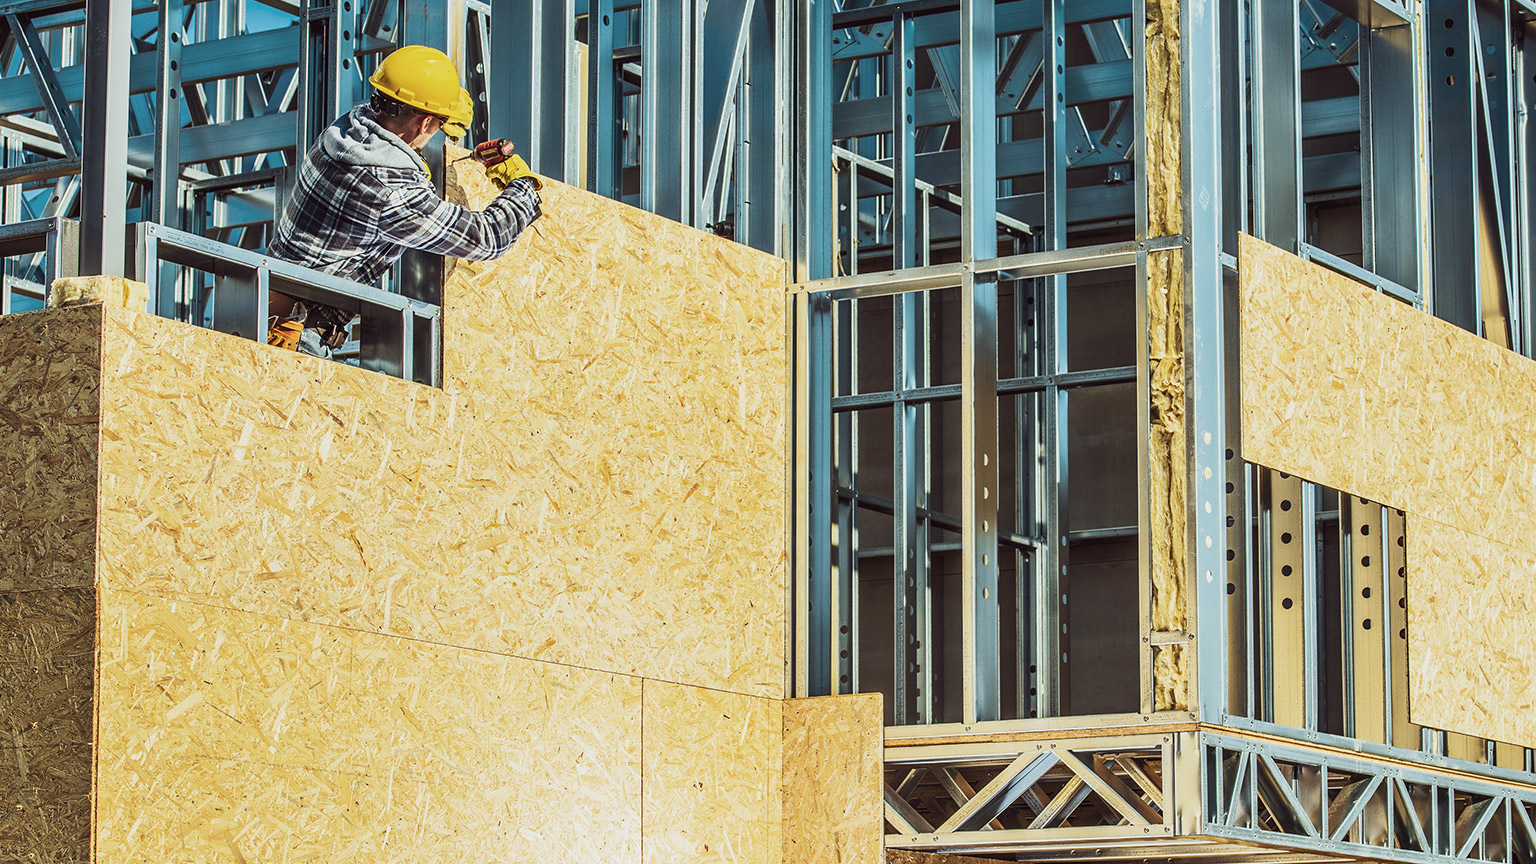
column 1000, row 793
column 47, row 82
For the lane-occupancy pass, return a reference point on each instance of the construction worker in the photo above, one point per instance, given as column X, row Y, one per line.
column 363, row 194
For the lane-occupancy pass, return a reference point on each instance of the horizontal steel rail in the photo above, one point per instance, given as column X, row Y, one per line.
column 56, row 240
column 400, row 336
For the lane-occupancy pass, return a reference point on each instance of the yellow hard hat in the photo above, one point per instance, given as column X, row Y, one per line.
column 461, row 116
column 421, row 77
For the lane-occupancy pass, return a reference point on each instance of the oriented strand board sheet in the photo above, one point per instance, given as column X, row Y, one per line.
column 47, row 657
column 712, row 783
column 1437, row 422
column 600, row 482
column 49, row 385
column 49, row 390
column 1471, row 633
column 834, row 764
column 1348, row 388
column 46, row 814
column 227, row 735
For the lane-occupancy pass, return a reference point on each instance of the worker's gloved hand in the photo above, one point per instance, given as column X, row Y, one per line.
column 493, row 152
column 513, row 168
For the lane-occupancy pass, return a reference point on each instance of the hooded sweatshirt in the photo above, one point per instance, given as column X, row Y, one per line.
column 363, row 197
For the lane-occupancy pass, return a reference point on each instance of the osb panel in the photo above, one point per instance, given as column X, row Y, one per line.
column 1349, row 388
column 1165, row 162
column 834, row 811
column 49, row 389
column 227, row 735
column 1471, row 634
column 45, row 804
column 712, row 783
column 599, row 483
column 47, row 656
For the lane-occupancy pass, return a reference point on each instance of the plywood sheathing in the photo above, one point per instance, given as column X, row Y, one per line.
column 227, row 735
column 111, row 290
column 1471, row 623
column 1351, row 389
column 50, row 365
column 834, row 811
column 711, row 781
column 1164, row 135
column 47, row 661
column 599, row 483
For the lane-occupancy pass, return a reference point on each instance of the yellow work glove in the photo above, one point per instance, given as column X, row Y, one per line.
column 505, row 172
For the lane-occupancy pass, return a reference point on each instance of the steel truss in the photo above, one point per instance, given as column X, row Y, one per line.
column 1190, row 794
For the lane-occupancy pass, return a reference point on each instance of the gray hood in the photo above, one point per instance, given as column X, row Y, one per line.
column 355, row 139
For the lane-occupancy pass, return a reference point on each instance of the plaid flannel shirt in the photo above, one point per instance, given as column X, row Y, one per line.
column 363, row 197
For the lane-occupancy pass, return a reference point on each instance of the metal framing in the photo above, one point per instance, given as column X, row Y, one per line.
column 959, row 528
column 961, row 189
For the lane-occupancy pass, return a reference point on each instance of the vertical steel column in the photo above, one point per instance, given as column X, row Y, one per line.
column 604, row 168
column 1390, row 149
column 166, row 204
column 1525, row 153
column 815, row 497
column 758, row 191
column 903, row 82
column 1365, row 655
column 667, row 111
column 1205, row 347
column 1453, row 164
column 1050, row 591
column 1234, row 128
column 812, row 145
column 845, row 590
column 1310, row 601
column 437, row 24
column 104, row 169
column 1282, row 563
column 1277, row 190
column 530, row 87
column 906, row 442
column 167, row 168
column 978, row 361
column 906, row 347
